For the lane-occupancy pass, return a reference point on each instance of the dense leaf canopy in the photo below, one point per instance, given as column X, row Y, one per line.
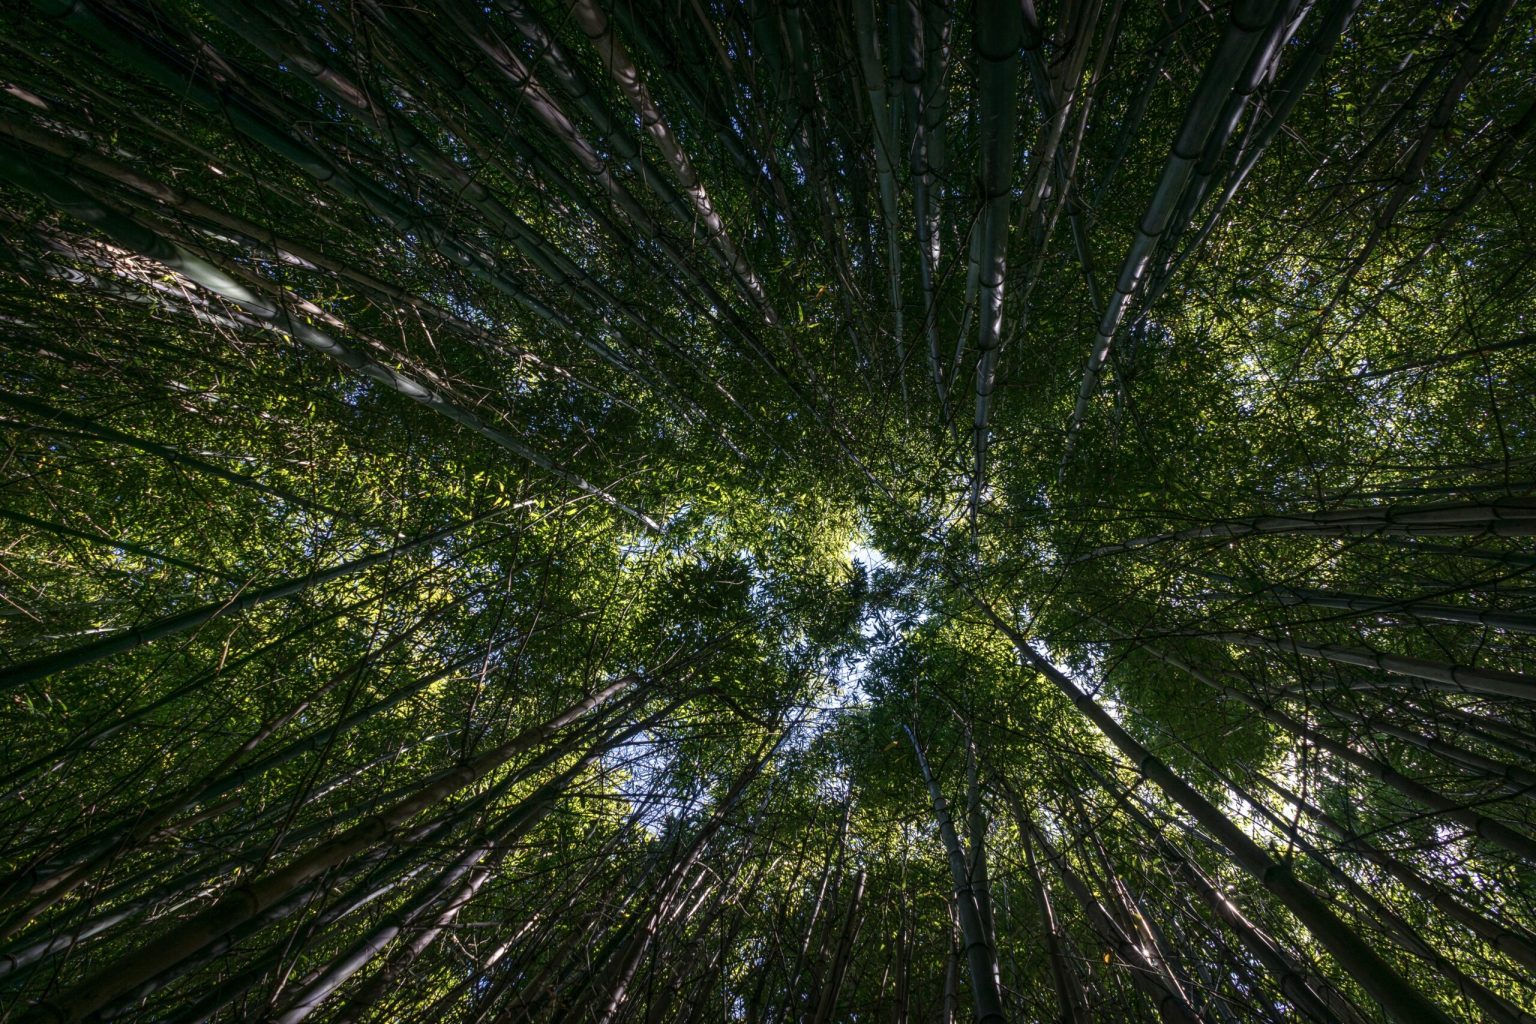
column 855, row 510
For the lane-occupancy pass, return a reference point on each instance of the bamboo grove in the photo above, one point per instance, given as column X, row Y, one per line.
column 686, row 510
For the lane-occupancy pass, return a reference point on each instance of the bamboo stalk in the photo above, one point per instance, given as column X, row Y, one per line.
column 980, row 958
